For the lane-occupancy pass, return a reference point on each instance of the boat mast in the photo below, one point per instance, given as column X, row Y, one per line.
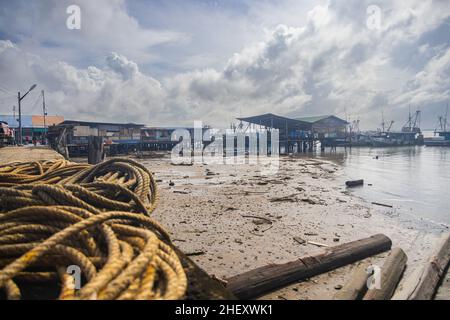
column 445, row 119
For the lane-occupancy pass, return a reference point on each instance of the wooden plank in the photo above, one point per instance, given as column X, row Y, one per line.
column 356, row 287
column 262, row 280
column 391, row 273
column 422, row 284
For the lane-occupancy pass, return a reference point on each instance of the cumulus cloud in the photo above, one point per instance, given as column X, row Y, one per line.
column 117, row 92
column 329, row 63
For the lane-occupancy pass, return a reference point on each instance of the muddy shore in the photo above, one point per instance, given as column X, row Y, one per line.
column 230, row 219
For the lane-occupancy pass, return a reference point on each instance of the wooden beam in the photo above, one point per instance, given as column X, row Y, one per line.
column 356, row 287
column 262, row 280
column 443, row 293
column 422, row 284
column 390, row 274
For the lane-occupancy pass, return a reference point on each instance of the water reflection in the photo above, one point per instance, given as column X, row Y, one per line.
column 416, row 179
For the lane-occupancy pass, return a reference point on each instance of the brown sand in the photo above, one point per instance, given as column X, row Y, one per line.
column 205, row 210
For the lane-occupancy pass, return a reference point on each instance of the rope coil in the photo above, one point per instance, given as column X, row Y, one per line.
column 59, row 214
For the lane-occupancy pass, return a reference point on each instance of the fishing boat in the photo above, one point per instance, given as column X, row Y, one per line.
column 441, row 134
column 409, row 135
column 382, row 137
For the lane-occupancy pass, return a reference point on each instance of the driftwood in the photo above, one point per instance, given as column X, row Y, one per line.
column 390, row 274
column 382, row 205
column 422, row 284
column 356, row 287
column 354, row 183
column 262, row 280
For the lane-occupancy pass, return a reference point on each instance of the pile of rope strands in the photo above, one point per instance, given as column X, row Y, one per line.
column 59, row 219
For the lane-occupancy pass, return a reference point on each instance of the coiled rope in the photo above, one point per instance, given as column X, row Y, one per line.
column 59, row 216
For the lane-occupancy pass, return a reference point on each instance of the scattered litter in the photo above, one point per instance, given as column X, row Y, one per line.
column 259, row 221
column 382, row 205
column 289, row 198
column 180, row 191
column 197, row 253
column 317, row 244
column 300, row 240
column 354, row 183
column 310, row 201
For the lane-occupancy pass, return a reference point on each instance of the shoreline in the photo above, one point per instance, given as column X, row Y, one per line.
column 213, row 213
column 231, row 219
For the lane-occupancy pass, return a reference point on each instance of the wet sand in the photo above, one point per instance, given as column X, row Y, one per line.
column 209, row 210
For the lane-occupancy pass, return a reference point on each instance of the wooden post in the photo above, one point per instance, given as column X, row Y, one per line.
column 422, row 284
column 95, row 150
column 357, row 285
column 391, row 273
column 262, row 280
column 61, row 144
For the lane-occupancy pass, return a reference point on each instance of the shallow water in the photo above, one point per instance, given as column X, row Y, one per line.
column 411, row 179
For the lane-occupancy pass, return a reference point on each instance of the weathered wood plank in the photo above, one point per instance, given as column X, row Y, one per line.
column 356, row 287
column 422, row 284
column 443, row 292
column 262, row 280
column 391, row 272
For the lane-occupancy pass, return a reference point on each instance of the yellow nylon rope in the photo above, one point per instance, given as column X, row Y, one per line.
column 59, row 217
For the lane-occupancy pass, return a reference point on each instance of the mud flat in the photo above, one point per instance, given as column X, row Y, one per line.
column 231, row 219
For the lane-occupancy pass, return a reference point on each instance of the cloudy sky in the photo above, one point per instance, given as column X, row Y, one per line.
column 173, row 62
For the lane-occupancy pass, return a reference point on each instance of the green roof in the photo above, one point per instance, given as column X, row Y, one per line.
column 313, row 119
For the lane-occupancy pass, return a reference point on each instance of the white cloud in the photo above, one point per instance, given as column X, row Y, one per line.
column 328, row 62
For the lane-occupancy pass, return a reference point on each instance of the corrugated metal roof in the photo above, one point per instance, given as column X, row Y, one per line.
column 275, row 121
column 313, row 119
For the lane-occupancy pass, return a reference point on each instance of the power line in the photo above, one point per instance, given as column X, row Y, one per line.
column 6, row 90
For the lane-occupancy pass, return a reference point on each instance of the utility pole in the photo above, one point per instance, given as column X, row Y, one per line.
column 13, row 130
column 44, row 140
column 19, row 99
column 19, row 134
